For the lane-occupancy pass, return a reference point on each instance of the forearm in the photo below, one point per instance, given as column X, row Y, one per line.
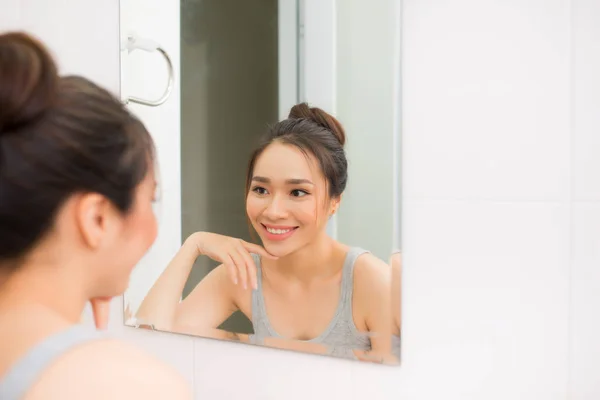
column 159, row 307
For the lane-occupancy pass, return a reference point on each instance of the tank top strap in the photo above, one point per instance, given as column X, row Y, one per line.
column 24, row 373
column 256, row 259
column 257, row 305
column 259, row 317
column 347, row 288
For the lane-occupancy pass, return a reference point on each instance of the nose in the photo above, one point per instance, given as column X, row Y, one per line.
column 276, row 209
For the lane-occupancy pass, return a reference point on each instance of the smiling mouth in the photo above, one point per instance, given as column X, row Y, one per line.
column 280, row 230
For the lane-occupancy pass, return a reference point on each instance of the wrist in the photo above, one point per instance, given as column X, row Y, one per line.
column 194, row 243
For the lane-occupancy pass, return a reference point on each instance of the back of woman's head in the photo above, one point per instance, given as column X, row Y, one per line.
column 59, row 136
column 315, row 133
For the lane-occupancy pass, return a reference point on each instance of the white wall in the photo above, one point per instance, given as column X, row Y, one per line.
column 318, row 62
column 584, row 151
column 367, row 48
column 501, row 208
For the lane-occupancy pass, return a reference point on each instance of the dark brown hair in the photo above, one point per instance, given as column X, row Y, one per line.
column 59, row 136
column 315, row 133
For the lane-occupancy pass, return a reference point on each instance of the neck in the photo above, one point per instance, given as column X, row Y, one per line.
column 51, row 287
column 311, row 261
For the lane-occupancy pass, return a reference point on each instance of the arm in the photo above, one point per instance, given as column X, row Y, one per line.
column 207, row 306
column 372, row 291
column 213, row 299
column 396, row 263
column 160, row 304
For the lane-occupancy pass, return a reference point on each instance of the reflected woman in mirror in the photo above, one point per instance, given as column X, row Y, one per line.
column 302, row 285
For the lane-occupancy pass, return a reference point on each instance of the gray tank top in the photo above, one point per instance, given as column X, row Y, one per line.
column 396, row 346
column 341, row 336
column 26, row 371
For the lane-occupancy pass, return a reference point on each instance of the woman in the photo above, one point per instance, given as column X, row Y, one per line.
column 304, row 289
column 76, row 189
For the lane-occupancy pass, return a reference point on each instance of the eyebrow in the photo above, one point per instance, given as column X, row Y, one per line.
column 288, row 181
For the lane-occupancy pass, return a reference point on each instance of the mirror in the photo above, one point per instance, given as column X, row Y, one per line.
column 290, row 226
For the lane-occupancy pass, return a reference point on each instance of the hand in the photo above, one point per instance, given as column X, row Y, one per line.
column 101, row 310
column 233, row 253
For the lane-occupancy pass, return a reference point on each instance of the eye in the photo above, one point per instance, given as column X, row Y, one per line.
column 259, row 190
column 299, row 193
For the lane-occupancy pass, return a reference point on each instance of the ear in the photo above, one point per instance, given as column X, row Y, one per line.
column 94, row 215
column 334, row 205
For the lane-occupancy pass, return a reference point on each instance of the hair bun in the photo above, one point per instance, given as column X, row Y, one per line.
column 28, row 80
column 321, row 118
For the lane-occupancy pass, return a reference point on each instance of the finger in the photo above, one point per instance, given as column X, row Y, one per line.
column 254, row 248
column 101, row 310
column 228, row 261
column 240, row 265
column 250, row 266
column 370, row 356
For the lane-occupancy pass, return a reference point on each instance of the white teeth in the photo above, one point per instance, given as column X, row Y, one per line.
column 278, row 231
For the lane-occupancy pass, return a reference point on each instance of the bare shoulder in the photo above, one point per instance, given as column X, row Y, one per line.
column 371, row 273
column 110, row 369
column 372, row 284
column 396, row 260
column 372, row 294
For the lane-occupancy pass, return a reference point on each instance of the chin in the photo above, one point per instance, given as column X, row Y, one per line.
column 119, row 287
column 280, row 253
column 280, row 249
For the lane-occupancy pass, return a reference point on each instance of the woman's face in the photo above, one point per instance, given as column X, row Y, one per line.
column 287, row 203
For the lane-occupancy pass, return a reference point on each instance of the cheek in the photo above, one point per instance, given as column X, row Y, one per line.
column 151, row 226
column 143, row 227
column 308, row 213
column 253, row 207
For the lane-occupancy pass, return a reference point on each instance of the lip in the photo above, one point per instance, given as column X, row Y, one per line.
column 278, row 237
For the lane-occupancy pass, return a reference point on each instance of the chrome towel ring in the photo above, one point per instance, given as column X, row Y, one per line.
column 137, row 43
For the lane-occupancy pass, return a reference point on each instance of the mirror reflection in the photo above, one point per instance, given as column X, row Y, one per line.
column 289, row 224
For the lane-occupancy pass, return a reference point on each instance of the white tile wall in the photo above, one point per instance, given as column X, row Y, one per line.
column 585, row 302
column 486, row 86
column 501, row 220
column 488, row 298
column 586, row 100
column 275, row 374
column 82, row 34
column 10, row 14
column 584, row 374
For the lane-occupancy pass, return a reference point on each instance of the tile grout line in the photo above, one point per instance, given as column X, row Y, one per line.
column 570, row 189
